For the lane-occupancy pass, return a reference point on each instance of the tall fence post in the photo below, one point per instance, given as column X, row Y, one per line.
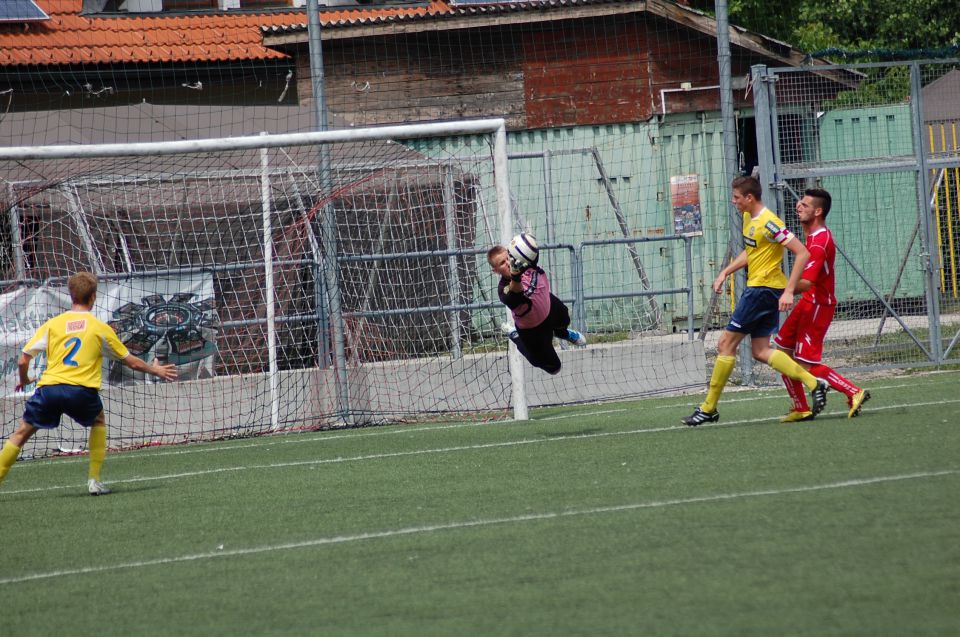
column 929, row 255
column 576, row 274
column 688, row 265
column 329, row 221
column 453, row 282
column 730, row 163
column 548, row 195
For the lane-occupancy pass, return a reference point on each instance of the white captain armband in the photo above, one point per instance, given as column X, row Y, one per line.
column 778, row 234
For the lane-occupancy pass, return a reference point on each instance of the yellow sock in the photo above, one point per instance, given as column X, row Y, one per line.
column 7, row 457
column 789, row 367
column 718, row 380
column 98, row 450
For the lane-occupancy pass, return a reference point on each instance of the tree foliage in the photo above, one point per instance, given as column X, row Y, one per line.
column 883, row 27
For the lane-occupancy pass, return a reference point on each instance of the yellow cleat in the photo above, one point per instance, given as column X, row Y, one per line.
column 856, row 403
column 797, row 416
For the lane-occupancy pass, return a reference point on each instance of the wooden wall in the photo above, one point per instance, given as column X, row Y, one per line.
column 573, row 72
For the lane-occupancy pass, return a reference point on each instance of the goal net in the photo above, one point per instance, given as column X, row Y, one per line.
column 250, row 268
column 313, row 280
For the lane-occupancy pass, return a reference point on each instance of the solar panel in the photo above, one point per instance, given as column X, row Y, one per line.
column 21, row 11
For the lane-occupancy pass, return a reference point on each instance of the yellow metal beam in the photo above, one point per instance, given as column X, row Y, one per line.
column 946, row 197
column 936, row 207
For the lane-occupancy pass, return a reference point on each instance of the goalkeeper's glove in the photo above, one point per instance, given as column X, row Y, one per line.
column 517, row 268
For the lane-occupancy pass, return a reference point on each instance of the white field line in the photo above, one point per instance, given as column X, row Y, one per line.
column 581, row 414
column 296, row 438
column 468, row 524
column 438, row 450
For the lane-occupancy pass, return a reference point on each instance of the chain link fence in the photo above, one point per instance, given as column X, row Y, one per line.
column 887, row 147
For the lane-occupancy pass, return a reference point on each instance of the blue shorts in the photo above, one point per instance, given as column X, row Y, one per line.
column 50, row 402
column 757, row 313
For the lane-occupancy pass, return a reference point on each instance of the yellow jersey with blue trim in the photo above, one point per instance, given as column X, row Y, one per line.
column 75, row 343
column 763, row 239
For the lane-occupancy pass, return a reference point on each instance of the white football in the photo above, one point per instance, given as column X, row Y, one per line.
column 523, row 249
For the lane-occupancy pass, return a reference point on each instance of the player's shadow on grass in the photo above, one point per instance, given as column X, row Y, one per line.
column 572, row 434
column 118, row 490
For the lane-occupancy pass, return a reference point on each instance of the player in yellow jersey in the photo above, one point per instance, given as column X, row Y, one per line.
column 768, row 293
column 74, row 342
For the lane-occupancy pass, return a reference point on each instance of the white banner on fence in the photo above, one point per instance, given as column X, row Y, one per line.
column 166, row 317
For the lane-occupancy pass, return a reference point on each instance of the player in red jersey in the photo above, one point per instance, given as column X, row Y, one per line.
column 802, row 333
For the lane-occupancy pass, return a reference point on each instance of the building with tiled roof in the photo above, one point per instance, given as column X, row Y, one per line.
column 73, row 35
column 104, row 53
column 538, row 63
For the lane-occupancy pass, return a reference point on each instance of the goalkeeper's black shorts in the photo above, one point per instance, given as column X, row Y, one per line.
column 536, row 343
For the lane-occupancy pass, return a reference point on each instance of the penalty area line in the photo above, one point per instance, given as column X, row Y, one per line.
column 468, row 524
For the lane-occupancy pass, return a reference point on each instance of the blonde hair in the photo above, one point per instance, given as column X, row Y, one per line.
column 82, row 286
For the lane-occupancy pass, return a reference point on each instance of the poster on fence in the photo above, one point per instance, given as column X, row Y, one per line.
column 685, row 202
column 173, row 318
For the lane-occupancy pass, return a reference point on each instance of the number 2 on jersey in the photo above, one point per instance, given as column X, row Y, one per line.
column 73, row 345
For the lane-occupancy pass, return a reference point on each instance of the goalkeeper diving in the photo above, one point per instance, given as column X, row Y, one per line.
column 538, row 315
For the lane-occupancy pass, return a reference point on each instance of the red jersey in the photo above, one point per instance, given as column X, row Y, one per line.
column 819, row 269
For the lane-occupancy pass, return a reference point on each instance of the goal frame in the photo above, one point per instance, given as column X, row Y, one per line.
column 494, row 127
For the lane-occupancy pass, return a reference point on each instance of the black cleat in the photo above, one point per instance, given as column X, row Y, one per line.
column 818, row 396
column 698, row 417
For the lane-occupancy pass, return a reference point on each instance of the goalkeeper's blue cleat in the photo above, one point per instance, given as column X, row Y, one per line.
column 818, row 396
column 95, row 487
column 576, row 337
column 509, row 331
column 699, row 416
column 856, row 403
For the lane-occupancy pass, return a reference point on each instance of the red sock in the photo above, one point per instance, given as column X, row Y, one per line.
column 836, row 381
column 797, row 392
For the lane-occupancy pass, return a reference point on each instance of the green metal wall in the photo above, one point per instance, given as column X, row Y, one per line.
column 874, row 214
column 639, row 160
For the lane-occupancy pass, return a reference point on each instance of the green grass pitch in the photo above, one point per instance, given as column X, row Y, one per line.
column 608, row 519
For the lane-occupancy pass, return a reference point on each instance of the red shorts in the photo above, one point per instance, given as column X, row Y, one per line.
column 804, row 329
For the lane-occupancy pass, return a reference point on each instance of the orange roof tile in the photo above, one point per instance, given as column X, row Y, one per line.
column 69, row 38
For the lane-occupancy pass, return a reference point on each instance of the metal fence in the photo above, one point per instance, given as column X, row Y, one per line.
column 886, row 147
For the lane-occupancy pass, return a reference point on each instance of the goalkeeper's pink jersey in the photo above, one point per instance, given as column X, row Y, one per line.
column 536, row 288
column 819, row 269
